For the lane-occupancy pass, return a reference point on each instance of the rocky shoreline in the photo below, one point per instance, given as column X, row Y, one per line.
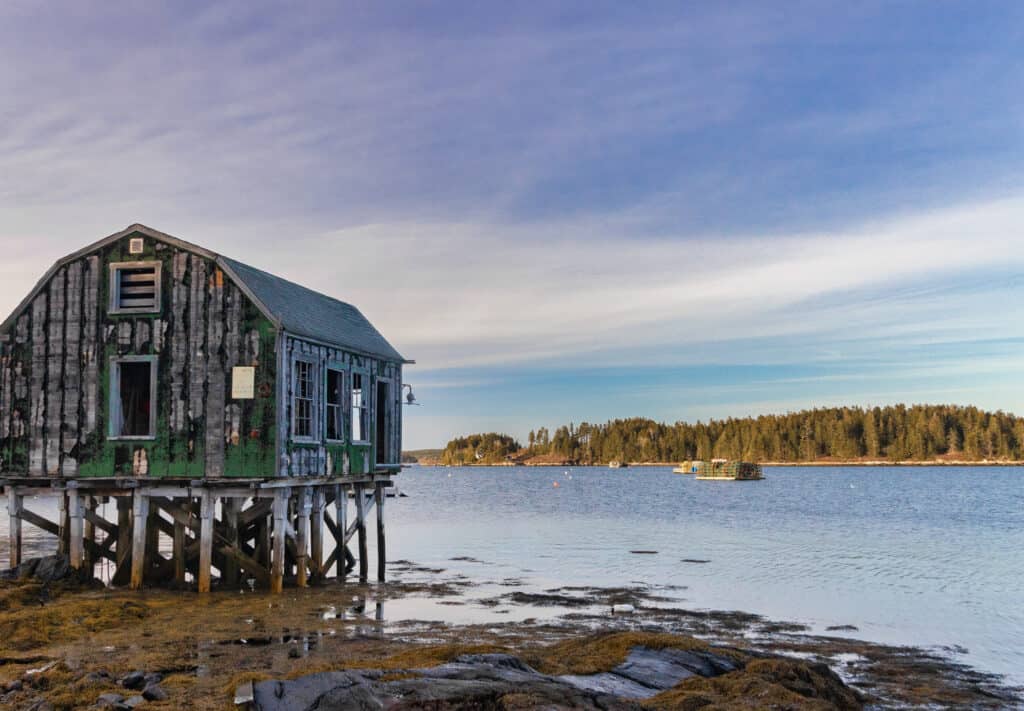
column 68, row 645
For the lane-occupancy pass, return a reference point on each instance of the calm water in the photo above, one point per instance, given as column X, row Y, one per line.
column 923, row 556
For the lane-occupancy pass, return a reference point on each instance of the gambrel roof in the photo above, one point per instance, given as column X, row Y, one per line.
column 295, row 309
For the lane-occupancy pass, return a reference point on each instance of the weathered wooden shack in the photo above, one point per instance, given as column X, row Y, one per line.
column 217, row 404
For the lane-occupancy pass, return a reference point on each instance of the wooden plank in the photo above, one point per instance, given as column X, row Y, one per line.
column 72, row 378
column 140, row 519
column 196, row 346
column 247, row 563
column 54, row 374
column 62, row 523
column 95, row 520
column 215, row 380
column 316, row 535
column 179, row 342
column 37, row 380
column 14, row 511
column 39, row 522
column 205, row 540
column 90, row 347
column 259, row 509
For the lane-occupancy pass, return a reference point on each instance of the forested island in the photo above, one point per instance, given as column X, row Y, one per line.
column 896, row 433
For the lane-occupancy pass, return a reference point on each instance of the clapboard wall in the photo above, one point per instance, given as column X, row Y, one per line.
column 55, row 373
column 344, row 458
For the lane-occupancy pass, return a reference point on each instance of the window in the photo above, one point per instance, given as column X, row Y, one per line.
column 359, row 433
column 303, row 400
column 133, row 398
column 135, row 287
column 335, row 401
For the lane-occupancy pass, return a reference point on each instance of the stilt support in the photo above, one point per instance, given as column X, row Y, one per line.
column 14, row 500
column 76, row 530
column 364, row 569
column 207, row 502
column 140, row 516
column 381, row 548
column 279, row 532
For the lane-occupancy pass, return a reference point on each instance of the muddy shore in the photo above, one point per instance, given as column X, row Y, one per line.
column 65, row 647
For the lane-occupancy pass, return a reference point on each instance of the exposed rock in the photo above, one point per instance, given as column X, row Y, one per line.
column 15, row 685
column 154, row 692
column 109, row 700
column 134, row 701
column 135, row 680
column 47, row 569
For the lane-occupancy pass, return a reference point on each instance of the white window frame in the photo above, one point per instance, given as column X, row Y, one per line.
column 365, row 421
column 346, row 387
column 114, row 306
column 114, row 409
column 313, row 436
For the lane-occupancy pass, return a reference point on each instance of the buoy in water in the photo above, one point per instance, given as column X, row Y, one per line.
column 555, row 484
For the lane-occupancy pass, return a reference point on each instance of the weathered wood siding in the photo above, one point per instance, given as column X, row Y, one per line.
column 55, row 374
column 319, row 457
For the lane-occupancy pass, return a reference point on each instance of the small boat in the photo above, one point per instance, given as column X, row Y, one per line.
column 687, row 468
column 617, row 465
column 722, row 469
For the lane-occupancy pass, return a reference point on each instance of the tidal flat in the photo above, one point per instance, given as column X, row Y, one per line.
column 68, row 646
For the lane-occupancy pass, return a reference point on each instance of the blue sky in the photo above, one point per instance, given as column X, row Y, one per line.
column 562, row 211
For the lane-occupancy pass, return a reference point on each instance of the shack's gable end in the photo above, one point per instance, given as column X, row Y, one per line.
column 58, row 347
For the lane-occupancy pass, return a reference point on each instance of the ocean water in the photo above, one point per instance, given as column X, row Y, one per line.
column 930, row 556
column 926, row 556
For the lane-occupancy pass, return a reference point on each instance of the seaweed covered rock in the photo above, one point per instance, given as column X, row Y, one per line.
column 617, row 671
column 45, row 569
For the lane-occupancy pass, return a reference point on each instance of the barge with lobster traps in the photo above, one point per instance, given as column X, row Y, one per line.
column 722, row 469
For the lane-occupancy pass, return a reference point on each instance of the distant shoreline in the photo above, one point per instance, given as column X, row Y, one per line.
column 825, row 463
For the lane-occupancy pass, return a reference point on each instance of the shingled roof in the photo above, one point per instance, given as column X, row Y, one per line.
column 299, row 311
column 304, row 312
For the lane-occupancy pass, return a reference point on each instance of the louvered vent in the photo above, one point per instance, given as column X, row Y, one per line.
column 136, row 288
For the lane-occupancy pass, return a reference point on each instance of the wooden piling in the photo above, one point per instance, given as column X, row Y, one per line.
column 279, row 532
column 62, row 522
column 361, row 532
column 381, row 555
column 140, row 518
column 207, row 502
column 229, row 514
column 90, row 532
column 340, row 529
column 124, row 541
column 316, row 535
column 178, row 549
column 76, row 530
column 303, row 506
column 14, row 503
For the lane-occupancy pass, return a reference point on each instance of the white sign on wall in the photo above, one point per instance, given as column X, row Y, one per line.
column 243, row 383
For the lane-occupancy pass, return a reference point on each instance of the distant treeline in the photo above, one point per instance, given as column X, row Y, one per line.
column 895, row 433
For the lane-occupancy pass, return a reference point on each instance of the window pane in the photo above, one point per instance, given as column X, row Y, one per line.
column 303, row 399
column 136, row 379
column 358, row 411
column 335, row 385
